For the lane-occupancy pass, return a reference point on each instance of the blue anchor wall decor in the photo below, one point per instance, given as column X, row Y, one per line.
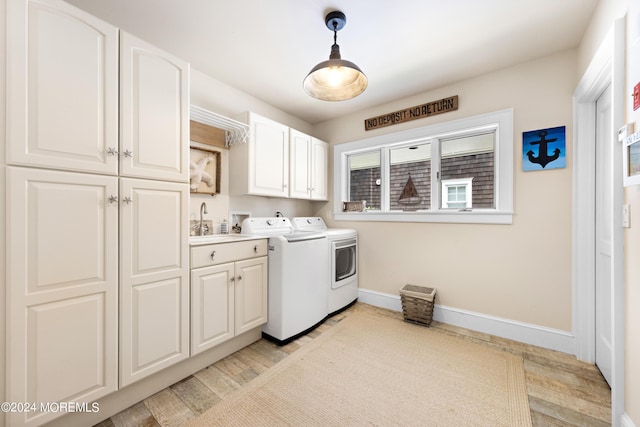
column 551, row 149
column 543, row 158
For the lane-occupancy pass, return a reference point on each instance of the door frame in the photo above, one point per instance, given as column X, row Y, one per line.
column 606, row 68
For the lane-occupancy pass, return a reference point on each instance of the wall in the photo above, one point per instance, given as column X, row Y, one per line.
column 3, row 44
column 632, row 235
column 217, row 97
column 526, row 276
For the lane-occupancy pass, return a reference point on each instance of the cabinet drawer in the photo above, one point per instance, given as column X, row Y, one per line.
column 218, row 253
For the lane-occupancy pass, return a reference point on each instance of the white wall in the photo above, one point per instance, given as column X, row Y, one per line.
column 520, row 271
column 3, row 144
column 632, row 235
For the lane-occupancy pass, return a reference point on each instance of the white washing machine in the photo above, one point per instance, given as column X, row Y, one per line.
column 297, row 277
column 343, row 255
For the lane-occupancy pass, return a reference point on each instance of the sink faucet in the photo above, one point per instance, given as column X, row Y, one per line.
column 203, row 210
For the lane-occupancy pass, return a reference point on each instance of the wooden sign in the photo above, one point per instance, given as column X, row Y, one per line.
column 418, row 112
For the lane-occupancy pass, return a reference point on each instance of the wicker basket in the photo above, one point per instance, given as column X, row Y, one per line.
column 417, row 304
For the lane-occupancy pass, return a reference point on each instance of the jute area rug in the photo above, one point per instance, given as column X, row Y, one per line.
column 379, row 371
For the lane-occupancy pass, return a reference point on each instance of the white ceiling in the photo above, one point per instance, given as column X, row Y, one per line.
column 266, row 47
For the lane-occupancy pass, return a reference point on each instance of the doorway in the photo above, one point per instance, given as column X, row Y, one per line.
column 606, row 70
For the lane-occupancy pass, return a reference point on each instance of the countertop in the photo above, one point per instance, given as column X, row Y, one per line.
column 221, row 238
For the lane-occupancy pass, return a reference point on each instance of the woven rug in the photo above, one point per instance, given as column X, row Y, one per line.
column 379, row 371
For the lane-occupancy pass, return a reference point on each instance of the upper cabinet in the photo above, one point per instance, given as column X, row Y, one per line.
column 307, row 166
column 279, row 162
column 261, row 167
column 70, row 107
column 62, row 74
column 154, row 112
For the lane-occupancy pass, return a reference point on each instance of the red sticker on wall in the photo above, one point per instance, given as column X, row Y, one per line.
column 636, row 97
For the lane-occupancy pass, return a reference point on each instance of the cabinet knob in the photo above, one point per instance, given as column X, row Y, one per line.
column 232, row 279
column 113, row 199
column 255, row 249
column 213, row 254
column 127, row 200
column 128, row 154
column 112, row 151
column 240, row 277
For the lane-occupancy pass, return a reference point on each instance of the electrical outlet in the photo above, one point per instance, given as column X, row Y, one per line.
column 626, row 221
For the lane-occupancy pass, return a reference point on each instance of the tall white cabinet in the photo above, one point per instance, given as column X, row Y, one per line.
column 97, row 227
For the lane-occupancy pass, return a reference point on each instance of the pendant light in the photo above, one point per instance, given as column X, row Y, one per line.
column 335, row 79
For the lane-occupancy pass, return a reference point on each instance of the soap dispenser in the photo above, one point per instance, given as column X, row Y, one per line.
column 224, row 227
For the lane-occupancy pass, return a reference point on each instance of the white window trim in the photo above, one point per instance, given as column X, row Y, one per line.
column 501, row 121
column 458, row 182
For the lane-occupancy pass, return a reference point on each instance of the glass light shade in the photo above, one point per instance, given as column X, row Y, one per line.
column 335, row 79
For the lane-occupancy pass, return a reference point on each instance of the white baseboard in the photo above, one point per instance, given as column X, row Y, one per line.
column 540, row 336
column 625, row 421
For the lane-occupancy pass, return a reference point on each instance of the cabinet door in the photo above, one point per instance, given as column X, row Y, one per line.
column 212, row 306
column 319, row 167
column 268, row 167
column 62, row 88
column 299, row 155
column 62, row 294
column 154, row 277
column 251, row 294
column 154, row 112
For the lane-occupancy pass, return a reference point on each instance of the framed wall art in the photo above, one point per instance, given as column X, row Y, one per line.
column 544, row 149
column 204, row 173
column 631, row 159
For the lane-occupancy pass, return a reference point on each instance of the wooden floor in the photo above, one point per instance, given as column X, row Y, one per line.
column 562, row 390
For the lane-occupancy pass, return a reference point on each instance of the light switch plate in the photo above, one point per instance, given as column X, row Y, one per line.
column 626, row 221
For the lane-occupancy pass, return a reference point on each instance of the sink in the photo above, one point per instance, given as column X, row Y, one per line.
column 218, row 238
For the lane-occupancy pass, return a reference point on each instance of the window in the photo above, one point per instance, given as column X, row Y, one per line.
column 457, row 193
column 459, row 171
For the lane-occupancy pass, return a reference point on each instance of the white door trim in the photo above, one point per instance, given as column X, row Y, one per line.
column 607, row 67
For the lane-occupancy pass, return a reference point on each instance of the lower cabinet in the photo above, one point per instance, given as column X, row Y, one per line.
column 228, row 291
column 154, row 277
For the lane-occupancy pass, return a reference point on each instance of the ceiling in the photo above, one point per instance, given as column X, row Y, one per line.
column 266, row 47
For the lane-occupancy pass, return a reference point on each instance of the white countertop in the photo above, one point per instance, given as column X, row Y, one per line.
column 221, row 238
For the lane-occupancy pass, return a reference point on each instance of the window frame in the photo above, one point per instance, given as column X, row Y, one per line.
column 500, row 121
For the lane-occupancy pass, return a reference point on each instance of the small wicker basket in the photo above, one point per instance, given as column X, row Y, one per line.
column 417, row 304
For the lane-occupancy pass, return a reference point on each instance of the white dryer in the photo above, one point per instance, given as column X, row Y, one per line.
column 297, row 277
column 343, row 255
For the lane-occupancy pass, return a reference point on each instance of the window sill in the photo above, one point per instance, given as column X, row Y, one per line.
column 473, row 217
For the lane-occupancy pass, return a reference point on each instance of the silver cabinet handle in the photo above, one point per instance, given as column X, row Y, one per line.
column 255, row 249
column 113, row 199
column 233, row 279
column 112, row 151
column 213, row 254
column 127, row 200
column 127, row 154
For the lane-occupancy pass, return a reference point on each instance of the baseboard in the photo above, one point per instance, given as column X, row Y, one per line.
column 625, row 421
column 540, row 336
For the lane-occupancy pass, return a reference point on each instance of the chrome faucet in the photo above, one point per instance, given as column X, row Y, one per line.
column 202, row 227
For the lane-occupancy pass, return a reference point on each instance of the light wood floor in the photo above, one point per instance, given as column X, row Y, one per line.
column 562, row 390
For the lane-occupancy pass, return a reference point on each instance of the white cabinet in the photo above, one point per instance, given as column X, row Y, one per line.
column 83, row 108
column 62, row 88
column 154, row 277
column 69, row 104
column 228, row 291
column 62, row 288
column 307, row 166
column 154, row 112
column 278, row 162
column 261, row 167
